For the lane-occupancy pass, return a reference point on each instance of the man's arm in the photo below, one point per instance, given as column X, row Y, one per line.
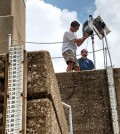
column 81, row 40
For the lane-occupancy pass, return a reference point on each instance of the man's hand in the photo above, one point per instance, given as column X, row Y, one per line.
column 86, row 35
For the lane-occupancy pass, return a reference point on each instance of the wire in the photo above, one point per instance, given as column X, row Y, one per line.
column 30, row 42
column 79, row 54
column 41, row 42
column 49, row 43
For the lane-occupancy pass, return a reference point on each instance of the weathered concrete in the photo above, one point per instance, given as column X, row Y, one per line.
column 41, row 117
column 12, row 21
column 2, row 88
column 117, row 87
column 6, row 27
column 45, row 113
column 5, row 7
column 42, row 83
column 2, row 65
column 19, row 13
column 87, row 93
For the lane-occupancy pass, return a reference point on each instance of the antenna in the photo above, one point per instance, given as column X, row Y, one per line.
column 100, row 28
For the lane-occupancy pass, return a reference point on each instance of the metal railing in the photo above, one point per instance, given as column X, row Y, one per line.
column 70, row 117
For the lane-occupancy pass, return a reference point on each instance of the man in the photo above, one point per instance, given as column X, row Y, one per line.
column 84, row 62
column 69, row 47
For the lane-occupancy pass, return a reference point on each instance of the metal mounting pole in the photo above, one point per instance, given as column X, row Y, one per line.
column 91, row 26
column 107, row 47
column 94, row 60
column 9, row 41
column 104, row 53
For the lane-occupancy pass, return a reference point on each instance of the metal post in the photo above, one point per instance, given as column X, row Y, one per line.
column 94, row 60
column 70, row 117
column 9, row 40
column 91, row 26
column 106, row 58
column 107, row 47
column 104, row 54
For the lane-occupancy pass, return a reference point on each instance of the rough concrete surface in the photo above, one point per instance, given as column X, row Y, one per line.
column 87, row 93
column 6, row 27
column 117, row 87
column 38, row 68
column 42, row 83
column 1, row 101
column 41, row 118
column 2, row 65
column 12, row 21
column 5, row 7
column 19, row 13
column 2, row 86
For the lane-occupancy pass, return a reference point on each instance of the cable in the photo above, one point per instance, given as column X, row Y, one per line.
column 41, row 42
column 46, row 43
column 78, row 54
column 30, row 42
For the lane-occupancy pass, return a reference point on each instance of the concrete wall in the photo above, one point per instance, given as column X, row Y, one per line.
column 6, row 27
column 117, row 87
column 2, row 86
column 87, row 93
column 11, row 10
column 5, row 7
column 45, row 113
column 19, row 13
column 45, row 100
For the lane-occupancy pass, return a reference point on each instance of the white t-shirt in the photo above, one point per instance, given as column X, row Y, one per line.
column 67, row 44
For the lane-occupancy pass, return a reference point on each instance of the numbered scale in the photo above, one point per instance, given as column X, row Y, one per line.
column 14, row 92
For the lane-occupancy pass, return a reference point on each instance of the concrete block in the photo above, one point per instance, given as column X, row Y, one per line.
column 41, row 118
column 42, row 83
column 87, row 94
column 6, row 27
column 5, row 7
column 19, row 13
column 0, row 130
column 12, row 21
column 2, row 66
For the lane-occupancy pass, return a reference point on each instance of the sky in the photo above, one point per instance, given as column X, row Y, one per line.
column 47, row 20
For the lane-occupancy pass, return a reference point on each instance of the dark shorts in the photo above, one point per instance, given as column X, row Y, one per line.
column 70, row 56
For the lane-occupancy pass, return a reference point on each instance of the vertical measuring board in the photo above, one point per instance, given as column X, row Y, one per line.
column 14, row 98
column 113, row 101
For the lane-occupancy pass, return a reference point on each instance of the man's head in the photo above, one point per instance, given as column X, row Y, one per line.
column 84, row 53
column 74, row 26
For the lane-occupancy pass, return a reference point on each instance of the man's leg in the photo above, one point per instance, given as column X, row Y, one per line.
column 77, row 68
column 70, row 66
column 76, row 65
column 70, row 59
